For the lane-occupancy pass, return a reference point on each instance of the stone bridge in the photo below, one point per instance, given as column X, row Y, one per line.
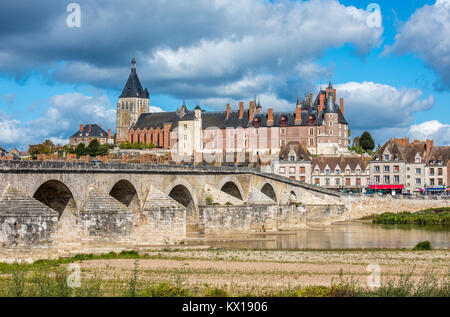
column 61, row 203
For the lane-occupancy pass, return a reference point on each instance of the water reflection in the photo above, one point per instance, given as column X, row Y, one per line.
column 340, row 236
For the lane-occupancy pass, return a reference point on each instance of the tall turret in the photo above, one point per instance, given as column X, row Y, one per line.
column 133, row 102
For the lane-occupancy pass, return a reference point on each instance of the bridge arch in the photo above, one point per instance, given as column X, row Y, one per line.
column 232, row 186
column 184, row 196
column 125, row 192
column 57, row 196
column 268, row 190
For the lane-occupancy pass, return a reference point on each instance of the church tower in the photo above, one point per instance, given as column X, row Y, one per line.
column 133, row 102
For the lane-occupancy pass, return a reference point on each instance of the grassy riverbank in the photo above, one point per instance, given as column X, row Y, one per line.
column 233, row 273
column 434, row 216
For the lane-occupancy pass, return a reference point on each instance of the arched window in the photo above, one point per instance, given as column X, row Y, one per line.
column 283, row 121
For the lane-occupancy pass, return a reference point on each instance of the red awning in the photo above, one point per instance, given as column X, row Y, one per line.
column 388, row 187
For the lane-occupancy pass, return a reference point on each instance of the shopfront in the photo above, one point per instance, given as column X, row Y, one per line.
column 388, row 189
column 435, row 191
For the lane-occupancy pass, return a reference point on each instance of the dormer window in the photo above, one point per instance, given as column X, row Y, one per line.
column 311, row 120
column 386, row 157
column 256, row 123
column 292, row 158
column 283, row 121
column 431, row 162
column 395, row 158
column 439, row 162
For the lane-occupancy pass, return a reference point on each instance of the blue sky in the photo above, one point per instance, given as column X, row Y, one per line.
column 395, row 79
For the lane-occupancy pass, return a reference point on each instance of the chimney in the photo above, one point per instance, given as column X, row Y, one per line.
column 298, row 116
column 241, row 110
column 270, row 117
column 342, row 105
column 109, row 134
column 334, row 94
column 90, row 130
column 310, row 99
column 100, row 125
column 81, row 128
column 228, row 110
column 322, row 102
column 251, row 110
column 182, row 112
column 429, row 146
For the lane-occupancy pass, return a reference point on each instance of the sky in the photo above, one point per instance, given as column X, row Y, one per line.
column 391, row 66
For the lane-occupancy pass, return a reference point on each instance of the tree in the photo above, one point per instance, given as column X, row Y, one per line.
column 80, row 150
column 366, row 142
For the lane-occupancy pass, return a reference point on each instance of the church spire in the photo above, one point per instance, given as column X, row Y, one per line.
column 133, row 65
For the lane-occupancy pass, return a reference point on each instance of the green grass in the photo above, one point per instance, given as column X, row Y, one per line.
column 52, row 283
column 434, row 216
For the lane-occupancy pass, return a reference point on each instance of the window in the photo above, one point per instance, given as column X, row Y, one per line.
column 292, row 158
column 386, row 169
column 431, row 171
column 338, row 182
column 440, row 182
column 311, row 142
column 439, row 162
column 256, row 123
column 327, row 171
column 282, row 170
column 311, row 120
column 331, row 132
column 283, row 121
column 302, row 170
column 347, row 182
column 431, row 181
column 282, row 142
column 386, row 157
column 387, row 180
column 338, row 171
column 185, row 127
column 377, row 179
column 396, row 169
column 377, row 169
column 440, row 172
column 418, row 170
column 292, row 170
column 418, row 181
column 431, row 162
column 311, row 131
column 283, row 131
column 317, row 181
column 358, row 182
column 327, row 181
column 396, row 179
column 302, row 179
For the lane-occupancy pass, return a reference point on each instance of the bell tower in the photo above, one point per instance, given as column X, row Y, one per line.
column 133, row 102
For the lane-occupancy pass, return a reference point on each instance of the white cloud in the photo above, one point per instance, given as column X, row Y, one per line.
column 426, row 34
column 370, row 105
column 434, row 129
column 62, row 118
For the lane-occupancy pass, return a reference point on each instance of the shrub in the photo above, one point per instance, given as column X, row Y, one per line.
column 423, row 246
column 209, row 200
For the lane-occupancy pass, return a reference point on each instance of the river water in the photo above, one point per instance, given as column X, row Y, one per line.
column 353, row 235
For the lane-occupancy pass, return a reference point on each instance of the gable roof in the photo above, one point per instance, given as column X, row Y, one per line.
column 96, row 132
column 341, row 162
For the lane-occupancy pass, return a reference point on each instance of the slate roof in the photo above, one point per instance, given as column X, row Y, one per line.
column 96, row 132
column 156, row 120
column 133, row 87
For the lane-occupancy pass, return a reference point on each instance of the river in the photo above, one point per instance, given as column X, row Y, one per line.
column 352, row 235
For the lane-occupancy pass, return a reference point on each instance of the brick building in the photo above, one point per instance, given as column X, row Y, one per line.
column 318, row 124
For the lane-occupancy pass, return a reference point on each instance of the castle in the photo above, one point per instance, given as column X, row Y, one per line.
column 318, row 124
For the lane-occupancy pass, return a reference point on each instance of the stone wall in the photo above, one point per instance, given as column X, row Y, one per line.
column 361, row 206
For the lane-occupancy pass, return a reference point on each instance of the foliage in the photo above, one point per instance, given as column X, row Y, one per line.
column 437, row 216
column 93, row 149
column 209, row 200
column 135, row 146
column 366, row 142
column 47, row 147
column 423, row 246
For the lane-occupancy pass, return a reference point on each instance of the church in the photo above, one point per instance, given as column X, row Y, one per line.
column 316, row 123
